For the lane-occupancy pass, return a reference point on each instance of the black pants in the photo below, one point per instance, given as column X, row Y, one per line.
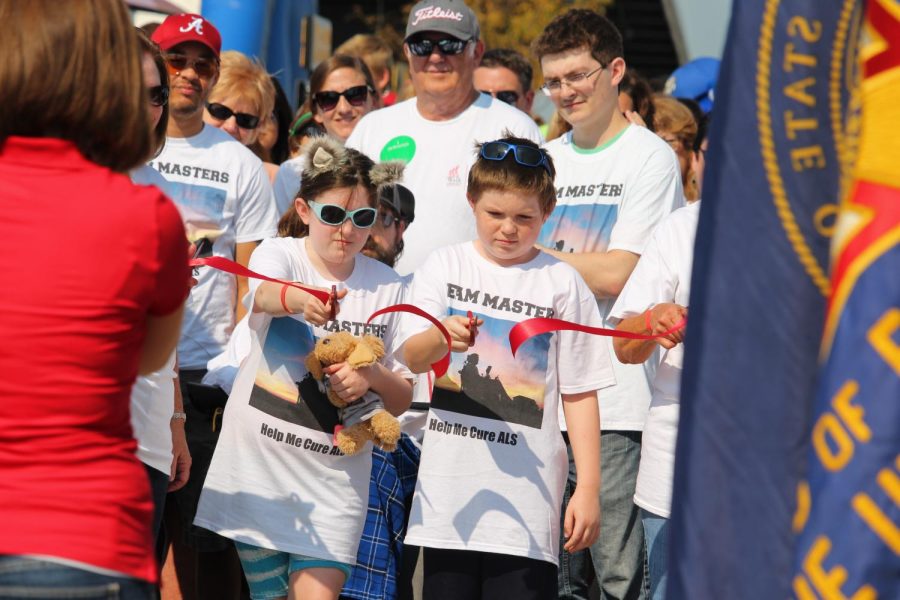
column 470, row 575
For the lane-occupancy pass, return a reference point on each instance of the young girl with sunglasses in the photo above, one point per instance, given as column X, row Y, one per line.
column 277, row 485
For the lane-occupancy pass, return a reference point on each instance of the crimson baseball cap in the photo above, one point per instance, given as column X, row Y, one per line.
column 187, row 27
column 452, row 17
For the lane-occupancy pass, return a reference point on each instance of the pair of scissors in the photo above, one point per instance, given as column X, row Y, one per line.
column 473, row 327
column 334, row 303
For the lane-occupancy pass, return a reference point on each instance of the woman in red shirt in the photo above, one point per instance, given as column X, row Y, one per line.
column 94, row 279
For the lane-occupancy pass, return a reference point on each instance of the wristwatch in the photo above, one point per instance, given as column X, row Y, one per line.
column 179, row 415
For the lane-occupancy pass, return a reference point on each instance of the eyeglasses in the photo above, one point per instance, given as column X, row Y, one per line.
column 508, row 96
column 524, row 155
column 223, row 113
column 204, row 67
column 387, row 219
column 554, row 86
column 158, row 95
column 448, row 46
column 334, row 215
column 356, row 96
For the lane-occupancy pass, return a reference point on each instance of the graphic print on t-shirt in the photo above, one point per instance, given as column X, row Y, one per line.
column 486, row 381
column 579, row 227
column 201, row 209
column 284, row 388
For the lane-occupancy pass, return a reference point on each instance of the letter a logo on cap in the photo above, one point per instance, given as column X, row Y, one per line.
column 196, row 24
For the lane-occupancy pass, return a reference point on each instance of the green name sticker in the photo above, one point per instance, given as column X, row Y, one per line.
column 401, row 147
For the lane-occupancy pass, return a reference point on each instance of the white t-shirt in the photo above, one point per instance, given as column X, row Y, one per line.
column 223, row 194
column 663, row 274
column 493, row 460
column 439, row 155
column 612, row 198
column 287, row 183
column 276, row 479
column 153, row 395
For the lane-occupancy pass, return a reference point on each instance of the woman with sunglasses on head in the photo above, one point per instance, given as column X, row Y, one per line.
column 97, row 277
column 294, row 504
column 241, row 101
column 341, row 92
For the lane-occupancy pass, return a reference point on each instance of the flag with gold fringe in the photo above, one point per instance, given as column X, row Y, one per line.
column 848, row 514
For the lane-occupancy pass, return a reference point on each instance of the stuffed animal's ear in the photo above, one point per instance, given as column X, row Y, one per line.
column 368, row 350
column 314, row 366
column 376, row 344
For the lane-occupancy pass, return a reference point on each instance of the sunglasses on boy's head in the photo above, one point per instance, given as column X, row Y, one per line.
column 223, row 113
column 508, row 96
column 356, row 96
column 524, row 155
column 448, row 46
column 334, row 215
column 204, row 67
column 158, row 95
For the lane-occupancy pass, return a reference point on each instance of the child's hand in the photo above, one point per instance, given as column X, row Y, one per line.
column 582, row 523
column 317, row 313
column 461, row 338
column 348, row 383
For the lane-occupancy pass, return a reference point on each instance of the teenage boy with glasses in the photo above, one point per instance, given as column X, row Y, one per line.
column 226, row 202
column 506, row 75
column 435, row 131
column 614, row 183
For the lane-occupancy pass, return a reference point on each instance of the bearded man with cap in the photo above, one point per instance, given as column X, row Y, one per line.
column 435, row 132
column 226, row 202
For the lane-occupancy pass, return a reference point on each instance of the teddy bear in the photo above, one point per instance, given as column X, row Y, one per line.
column 365, row 418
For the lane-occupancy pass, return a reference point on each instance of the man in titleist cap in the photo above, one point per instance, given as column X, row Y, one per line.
column 434, row 132
column 227, row 205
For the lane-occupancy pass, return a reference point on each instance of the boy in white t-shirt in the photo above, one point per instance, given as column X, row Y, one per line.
column 614, row 183
column 487, row 502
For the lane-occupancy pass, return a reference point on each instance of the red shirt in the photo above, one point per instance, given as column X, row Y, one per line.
column 85, row 257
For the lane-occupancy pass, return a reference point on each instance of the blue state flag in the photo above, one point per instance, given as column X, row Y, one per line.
column 848, row 515
column 781, row 148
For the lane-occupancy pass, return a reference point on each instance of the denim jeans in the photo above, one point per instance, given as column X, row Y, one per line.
column 656, row 540
column 618, row 554
column 575, row 573
column 23, row 578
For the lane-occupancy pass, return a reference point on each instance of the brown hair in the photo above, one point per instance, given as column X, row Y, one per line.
column 373, row 51
column 240, row 75
column 580, row 28
column 641, row 94
column 348, row 168
column 674, row 117
column 149, row 46
column 512, row 60
column 72, row 70
column 507, row 174
column 327, row 67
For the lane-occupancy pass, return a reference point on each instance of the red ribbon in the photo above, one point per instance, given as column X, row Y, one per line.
column 441, row 366
column 522, row 332
column 229, row 266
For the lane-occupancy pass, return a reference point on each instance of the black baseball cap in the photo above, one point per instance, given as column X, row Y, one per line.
column 399, row 198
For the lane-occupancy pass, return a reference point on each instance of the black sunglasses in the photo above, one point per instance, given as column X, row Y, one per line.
column 204, row 67
column 158, row 95
column 508, row 96
column 223, row 113
column 524, row 155
column 356, row 96
column 448, row 46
